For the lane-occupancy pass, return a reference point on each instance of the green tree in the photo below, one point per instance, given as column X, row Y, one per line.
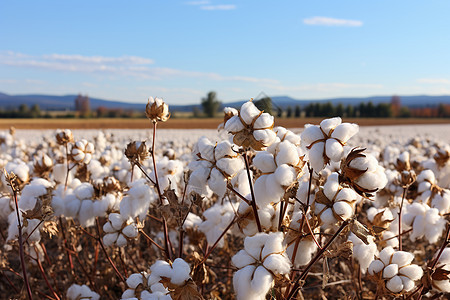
column 35, row 111
column 340, row 110
column 265, row 104
column 289, row 112
column 297, row 111
column 210, row 104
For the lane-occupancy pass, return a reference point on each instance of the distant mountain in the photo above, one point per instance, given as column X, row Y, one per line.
column 50, row 102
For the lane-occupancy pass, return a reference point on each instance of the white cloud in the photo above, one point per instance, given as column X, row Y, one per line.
column 434, row 80
column 325, row 21
column 218, row 7
column 325, row 87
column 124, row 66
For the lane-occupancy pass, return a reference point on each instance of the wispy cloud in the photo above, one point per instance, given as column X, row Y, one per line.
column 325, row 21
column 434, row 80
column 123, row 66
column 325, row 87
column 218, row 7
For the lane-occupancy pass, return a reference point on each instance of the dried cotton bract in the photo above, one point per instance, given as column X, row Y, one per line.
column 262, row 258
column 326, row 142
column 157, row 110
column 251, row 127
column 440, row 279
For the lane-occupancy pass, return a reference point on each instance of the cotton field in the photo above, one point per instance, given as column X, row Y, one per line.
column 247, row 211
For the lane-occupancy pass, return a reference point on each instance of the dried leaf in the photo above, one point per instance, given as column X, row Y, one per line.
column 360, row 231
column 344, row 250
column 441, row 274
column 322, row 199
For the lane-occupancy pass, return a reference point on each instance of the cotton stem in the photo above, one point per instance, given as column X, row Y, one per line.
column 253, row 203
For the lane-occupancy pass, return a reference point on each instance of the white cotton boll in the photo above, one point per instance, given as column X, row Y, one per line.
column 36, row 235
column 130, row 231
column 418, row 228
column 234, row 124
column 241, row 283
column 224, row 148
column 72, row 207
column 273, row 244
column 333, row 149
column 285, row 175
column 116, row 221
column 273, row 189
column 84, row 191
column 402, row 258
column 108, row 228
column 331, row 186
column 343, row 209
column 230, row 165
column 129, row 294
column 217, row 183
column 254, row 244
column 279, row 264
column 192, row 221
column 265, row 120
column 385, row 255
column 264, row 161
column 262, row 280
column 310, row 134
column 180, row 272
column 242, row 259
column 390, row 271
column 363, row 253
column 346, row 194
column 390, row 239
column 368, row 162
column 110, row 238
column 248, row 112
column 394, row 284
column 345, row 131
column 315, row 155
column 375, row 267
column 121, row 241
column 86, row 214
column 265, row 136
column 329, row 124
column 371, row 181
column 413, row 272
column 134, row 280
column 287, row 154
column 327, row 217
column 408, row 284
column 442, row 285
column 159, row 269
column 426, row 175
column 442, row 202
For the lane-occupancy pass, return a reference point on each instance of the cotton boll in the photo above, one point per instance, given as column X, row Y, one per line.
column 329, row 124
column 311, row 134
column 287, row 154
column 110, row 238
column 331, row 186
column 242, row 259
column 394, row 284
column 278, row 264
column 408, row 284
column 333, row 149
column 345, row 131
column 84, row 191
column 273, row 243
column 402, row 258
column 265, row 136
column 121, row 240
column 130, row 231
column 135, row 279
column 234, row 124
column 230, row 165
column 285, row 175
column 413, row 272
column 262, row 280
column 86, row 214
column 375, row 267
column 181, row 271
column 343, row 209
column 265, row 120
column 385, row 255
column 315, row 155
column 327, row 217
column 363, row 253
column 241, row 283
column 217, row 183
column 248, row 112
column 390, row 271
column 265, row 162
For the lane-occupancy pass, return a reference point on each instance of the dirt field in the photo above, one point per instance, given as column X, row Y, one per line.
column 181, row 123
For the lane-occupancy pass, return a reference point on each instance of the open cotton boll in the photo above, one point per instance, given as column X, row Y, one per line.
column 217, row 183
column 181, row 271
column 263, row 121
column 368, row 163
column 248, row 112
column 265, row 136
column 363, row 253
column 334, row 149
column 311, row 134
column 329, row 124
column 230, row 165
column 287, row 154
column 265, row 162
column 78, row 292
column 286, row 135
column 86, row 214
column 331, row 186
column 285, row 175
column 395, row 284
column 315, row 156
column 218, row 217
column 242, row 285
column 192, row 221
column 345, row 131
column 234, row 124
column 375, row 267
column 110, row 238
column 242, row 259
column 373, row 180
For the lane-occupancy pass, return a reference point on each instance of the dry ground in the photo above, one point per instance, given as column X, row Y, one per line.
column 185, row 123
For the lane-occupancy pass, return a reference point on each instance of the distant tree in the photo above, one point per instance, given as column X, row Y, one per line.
column 340, row 110
column 350, row 111
column 24, row 111
column 383, row 110
column 289, row 112
column 370, row 108
column 327, row 110
column 404, row 112
column 279, row 112
column 35, row 111
column 210, row 104
column 309, row 110
column 82, row 105
column 265, row 104
column 196, row 112
column 297, row 111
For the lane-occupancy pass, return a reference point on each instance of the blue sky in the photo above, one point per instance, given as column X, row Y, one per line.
column 180, row 50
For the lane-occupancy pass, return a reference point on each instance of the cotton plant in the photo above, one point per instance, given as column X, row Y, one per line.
column 362, row 252
column 393, row 271
column 214, row 164
column 334, row 203
column 251, row 127
column 430, row 193
column 268, row 216
column 259, row 263
column 137, row 200
column 280, row 166
column 325, row 142
column 119, row 230
column 384, row 222
column 138, row 288
column 425, row 222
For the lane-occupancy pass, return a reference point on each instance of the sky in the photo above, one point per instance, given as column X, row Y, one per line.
column 181, row 50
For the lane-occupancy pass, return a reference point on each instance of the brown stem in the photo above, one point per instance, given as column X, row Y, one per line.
column 106, row 253
column 21, row 251
column 405, row 189
column 69, row 256
column 68, row 169
column 150, row 240
column 238, row 194
column 319, row 254
column 45, row 276
column 145, row 173
column 253, row 203
column 10, row 283
column 210, row 250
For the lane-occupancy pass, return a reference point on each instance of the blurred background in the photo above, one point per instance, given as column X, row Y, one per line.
column 296, row 59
